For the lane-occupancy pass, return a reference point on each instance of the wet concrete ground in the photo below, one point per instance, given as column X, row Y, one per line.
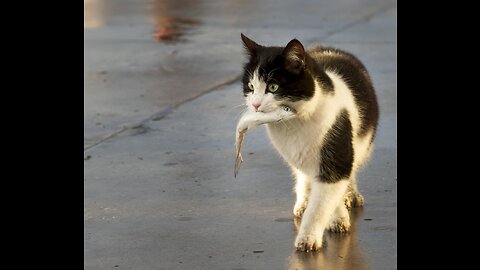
column 161, row 90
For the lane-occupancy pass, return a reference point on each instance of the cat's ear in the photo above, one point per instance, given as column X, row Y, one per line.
column 250, row 46
column 294, row 55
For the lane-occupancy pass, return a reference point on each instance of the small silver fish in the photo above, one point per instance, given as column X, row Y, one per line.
column 253, row 119
column 238, row 146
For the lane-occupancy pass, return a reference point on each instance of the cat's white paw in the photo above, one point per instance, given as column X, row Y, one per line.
column 308, row 242
column 340, row 225
column 299, row 208
column 353, row 199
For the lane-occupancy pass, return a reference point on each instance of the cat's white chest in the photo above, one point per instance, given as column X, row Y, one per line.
column 297, row 145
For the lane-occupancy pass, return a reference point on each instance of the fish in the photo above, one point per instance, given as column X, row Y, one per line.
column 252, row 119
column 238, row 145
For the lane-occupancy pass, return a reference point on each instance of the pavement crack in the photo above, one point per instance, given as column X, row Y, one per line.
column 216, row 86
column 358, row 21
column 165, row 111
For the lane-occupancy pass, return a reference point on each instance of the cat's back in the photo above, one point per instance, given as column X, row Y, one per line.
column 334, row 58
column 355, row 75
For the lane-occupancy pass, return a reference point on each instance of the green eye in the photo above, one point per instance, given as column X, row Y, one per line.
column 272, row 87
column 250, row 85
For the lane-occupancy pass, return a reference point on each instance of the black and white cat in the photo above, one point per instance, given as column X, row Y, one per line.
column 331, row 135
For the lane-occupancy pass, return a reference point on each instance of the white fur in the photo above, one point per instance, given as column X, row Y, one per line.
column 302, row 189
column 260, row 95
column 299, row 141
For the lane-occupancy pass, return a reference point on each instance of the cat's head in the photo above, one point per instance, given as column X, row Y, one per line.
column 276, row 76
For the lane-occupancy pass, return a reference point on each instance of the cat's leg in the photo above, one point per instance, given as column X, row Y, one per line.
column 322, row 202
column 340, row 220
column 302, row 190
column 353, row 198
column 363, row 150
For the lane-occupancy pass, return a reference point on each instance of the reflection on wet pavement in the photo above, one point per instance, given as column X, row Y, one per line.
column 94, row 13
column 341, row 251
column 169, row 28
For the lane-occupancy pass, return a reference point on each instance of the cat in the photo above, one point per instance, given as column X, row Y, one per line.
column 331, row 136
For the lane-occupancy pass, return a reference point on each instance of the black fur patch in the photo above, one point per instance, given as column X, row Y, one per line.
column 337, row 152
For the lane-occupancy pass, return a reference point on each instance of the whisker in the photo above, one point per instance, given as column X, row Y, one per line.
column 242, row 112
column 270, row 74
column 234, row 107
column 296, row 124
column 292, row 125
column 285, row 124
column 250, row 75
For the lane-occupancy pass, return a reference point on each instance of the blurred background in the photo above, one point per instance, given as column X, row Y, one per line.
column 162, row 98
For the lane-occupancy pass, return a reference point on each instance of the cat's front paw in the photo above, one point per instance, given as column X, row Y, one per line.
column 299, row 208
column 340, row 225
column 353, row 199
column 308, row 242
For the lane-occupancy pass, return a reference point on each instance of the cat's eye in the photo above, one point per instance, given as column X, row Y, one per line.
column 250, row 85
column 272, row 87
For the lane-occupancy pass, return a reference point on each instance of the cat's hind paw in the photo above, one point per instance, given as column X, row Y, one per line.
column 308, row 242
column 353, row 199
column 299, row 208
column 340, row 225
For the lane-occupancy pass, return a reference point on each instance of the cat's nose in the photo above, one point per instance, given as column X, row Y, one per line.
column 256, row 105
